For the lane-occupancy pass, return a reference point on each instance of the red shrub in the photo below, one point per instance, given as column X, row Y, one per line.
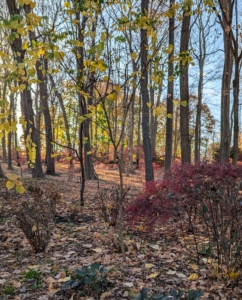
column 178, row 191
column 151, row 206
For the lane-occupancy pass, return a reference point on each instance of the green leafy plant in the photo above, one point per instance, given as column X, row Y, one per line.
column 173, row 294
column 33, row 275
column 8, row 290
column 89, row 279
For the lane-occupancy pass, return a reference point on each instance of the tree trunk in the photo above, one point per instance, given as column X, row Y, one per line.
column 4, row 152
column 225, row 93
column 42, row 80
column 170, row 92
column 1, row 172
column 138, row 133
column 26, row 103
column 236, row 87
column 201, row 60
column 184, row 88
column 63, row 109
column 149, row 173
column 50, row 163
column 10, row 167
column 152, row 121
column 131, row 134
column 236, row 112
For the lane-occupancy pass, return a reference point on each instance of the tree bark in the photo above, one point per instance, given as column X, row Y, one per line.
column 225, row 93
column 184, row 88
column 10, row 167
column 149, row 173
column 25, row 96
column 170, row 92
column 63, row 109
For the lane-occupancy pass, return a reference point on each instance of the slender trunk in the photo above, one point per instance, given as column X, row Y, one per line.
column 4, row 147
column 226, row 80
column 236, row 112
column 170, row 91
column 4, row 152
column 225, row 103
column 152, row 121
column 63, row 109
column 10, row 167
column 1, row 172
column 198, row 114
column 149, row 173
column 131, row 134
column 138, row 133
column 37, row 118
column 176, row 135
column 236, row 87
column 184, row 89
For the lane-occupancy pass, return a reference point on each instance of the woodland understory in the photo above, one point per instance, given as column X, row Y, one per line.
column 121, row 150
column 159, row 259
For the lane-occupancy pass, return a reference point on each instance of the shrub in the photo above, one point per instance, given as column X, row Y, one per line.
column 209, row 197
column 151, row 207
column 108, row 204
column 36, row 216
column 173, row 294
column 88, row 280
column 178, row 191
column 220, row 210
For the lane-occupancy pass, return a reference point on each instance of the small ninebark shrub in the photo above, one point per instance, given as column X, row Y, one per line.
column 108, row 204
column 207, row 199
column 36, row 216
column 220, row 212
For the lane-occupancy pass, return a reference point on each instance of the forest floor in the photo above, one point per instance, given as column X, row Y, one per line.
column 156, row 260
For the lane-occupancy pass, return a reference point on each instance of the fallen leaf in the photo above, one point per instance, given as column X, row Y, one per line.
column 193, row 276
column 171, row 272
column 181, row 275
column 105, row 294
column 148, row 266
column 153, row 275
column 44, row 297
column 233, row 275
column 194, row 267
column 97, row 250
column 16, row 284
column 154, row 246
column 2, row 281
column 87, row 246
column 33, row 267
column 62, row 274
column 129, row 284
column 64, row 279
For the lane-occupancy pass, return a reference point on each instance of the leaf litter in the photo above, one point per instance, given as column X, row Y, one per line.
column 155, row 260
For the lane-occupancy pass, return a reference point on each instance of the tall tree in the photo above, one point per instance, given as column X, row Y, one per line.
column 231, row 48
column 226, row 20
column 31, row 136
column 184, row 85
column 170, row 92
column 149, row 173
